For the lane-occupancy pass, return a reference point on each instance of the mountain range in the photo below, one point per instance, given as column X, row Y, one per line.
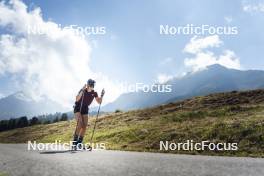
column 213, row 79
column 21, row 104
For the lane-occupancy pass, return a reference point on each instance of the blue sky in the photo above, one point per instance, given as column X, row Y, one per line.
column 133, row 49
column 139, row 49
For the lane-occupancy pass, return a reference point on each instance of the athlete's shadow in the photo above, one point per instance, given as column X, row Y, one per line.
column 58, row 151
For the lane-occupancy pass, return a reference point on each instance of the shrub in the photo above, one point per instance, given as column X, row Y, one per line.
column 118, row 110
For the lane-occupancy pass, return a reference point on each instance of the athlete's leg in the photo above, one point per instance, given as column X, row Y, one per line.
column 75, row 140
column 83, row 128
column 84, row 125
column 78, row 119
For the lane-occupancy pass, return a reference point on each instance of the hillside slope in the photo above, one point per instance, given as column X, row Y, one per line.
column 222, row 117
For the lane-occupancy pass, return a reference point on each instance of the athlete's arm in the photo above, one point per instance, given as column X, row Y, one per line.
column 79, row 96
column 98, row 100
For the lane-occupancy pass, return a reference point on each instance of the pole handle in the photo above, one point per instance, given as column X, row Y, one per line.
column 102, row 93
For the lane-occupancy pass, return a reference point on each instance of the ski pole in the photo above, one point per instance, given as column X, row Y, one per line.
column 102, row 94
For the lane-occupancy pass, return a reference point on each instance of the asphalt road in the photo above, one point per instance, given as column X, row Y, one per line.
column 15, row 159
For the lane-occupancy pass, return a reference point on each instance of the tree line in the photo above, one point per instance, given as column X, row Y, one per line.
column 24, row 121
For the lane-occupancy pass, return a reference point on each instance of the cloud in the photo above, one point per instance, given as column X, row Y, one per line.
column 203, row 57
column 1, row 95
column 163, row 78
column 229, row 59
column 228, row 19
column 253, row 7
column 55, row 64
column 197, row 44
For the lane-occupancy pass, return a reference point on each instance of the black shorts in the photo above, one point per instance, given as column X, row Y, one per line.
column 83, row 112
